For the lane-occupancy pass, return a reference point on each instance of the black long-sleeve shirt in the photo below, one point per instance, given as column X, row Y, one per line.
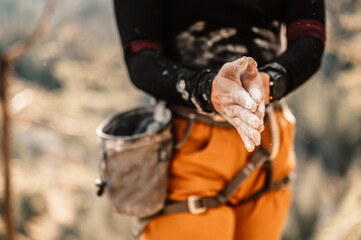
column 174, row 48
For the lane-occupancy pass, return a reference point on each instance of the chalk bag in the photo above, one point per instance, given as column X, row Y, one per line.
column 136, row 152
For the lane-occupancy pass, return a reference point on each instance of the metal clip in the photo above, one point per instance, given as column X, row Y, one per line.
column 101, row 186
column 196, row 205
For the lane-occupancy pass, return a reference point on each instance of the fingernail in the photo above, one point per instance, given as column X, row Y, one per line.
column 250, row 105
column 255, row 123
column 241, row 64
column 262, row 128
column 261, row 112
column 250, row 147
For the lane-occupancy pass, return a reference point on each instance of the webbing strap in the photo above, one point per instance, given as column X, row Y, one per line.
column 198, row 204
column 273, row 186
column 194, row 204
column 267, row 185
column 186, row 133
column 259, row 158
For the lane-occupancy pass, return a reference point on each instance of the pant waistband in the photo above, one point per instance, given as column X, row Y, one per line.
column 213, row 119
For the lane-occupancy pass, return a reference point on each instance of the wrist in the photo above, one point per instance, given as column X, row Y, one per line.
column 277, row 80
column 204, row 93
column 266, row 83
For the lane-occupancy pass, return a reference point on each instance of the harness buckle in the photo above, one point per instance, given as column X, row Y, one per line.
column 196, row 205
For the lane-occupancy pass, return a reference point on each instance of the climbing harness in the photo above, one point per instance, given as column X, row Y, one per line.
column 135, row 162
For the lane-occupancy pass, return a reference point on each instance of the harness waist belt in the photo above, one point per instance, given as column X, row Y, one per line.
column 197, row 204
column 193, row 114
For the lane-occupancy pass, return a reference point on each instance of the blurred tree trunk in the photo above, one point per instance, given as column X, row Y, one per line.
column 10, row 55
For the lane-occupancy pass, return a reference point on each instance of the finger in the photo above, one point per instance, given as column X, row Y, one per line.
column 254, row 87
column 232, row 70
column 248, row 143
column 247, row 116
column 244, row 129
column 260, row 112
column 261, row 109
column 260, row 128
column 252, row 133
column 242, row 98
column 251, row 67
column 255, row 92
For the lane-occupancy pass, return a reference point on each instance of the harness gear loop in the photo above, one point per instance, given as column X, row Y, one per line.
column 187, row 131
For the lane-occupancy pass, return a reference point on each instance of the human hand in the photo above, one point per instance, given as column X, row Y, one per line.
column 235, row 104
column 257, row 85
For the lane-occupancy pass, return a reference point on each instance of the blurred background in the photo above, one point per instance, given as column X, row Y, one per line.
column 74, row 76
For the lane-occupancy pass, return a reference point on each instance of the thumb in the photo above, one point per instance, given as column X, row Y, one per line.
column 233, row 70
column 255, row 90
column 251, row 71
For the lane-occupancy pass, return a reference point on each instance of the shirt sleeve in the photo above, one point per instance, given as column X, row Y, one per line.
column 305, row 21
column 140, row 26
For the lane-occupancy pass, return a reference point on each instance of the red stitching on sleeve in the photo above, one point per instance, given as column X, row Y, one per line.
column 304, row 27
column 138, row 45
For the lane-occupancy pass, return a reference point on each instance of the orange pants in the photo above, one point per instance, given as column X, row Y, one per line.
column 207, row 161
